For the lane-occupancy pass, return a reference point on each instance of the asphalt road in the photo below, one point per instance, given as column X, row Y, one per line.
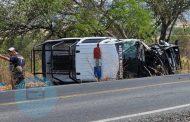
column 103, row 101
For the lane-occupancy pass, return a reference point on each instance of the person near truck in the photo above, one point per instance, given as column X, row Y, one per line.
column 16, row 66
column 97, row 58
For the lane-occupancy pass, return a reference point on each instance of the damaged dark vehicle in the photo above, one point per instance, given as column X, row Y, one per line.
column 141, row 60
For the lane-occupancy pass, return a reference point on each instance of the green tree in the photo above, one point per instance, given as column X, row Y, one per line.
column 131, row 19
column 58, row 18
column 166, row 13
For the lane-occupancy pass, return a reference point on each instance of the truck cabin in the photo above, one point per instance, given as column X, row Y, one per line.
column 133, row 58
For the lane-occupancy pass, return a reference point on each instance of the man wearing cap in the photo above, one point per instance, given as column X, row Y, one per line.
column 16, row 66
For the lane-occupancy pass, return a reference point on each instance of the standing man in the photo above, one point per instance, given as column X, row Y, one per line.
column 97, row 58
column 16, row 66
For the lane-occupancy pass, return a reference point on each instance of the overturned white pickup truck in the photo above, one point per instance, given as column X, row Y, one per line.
column 69, row 60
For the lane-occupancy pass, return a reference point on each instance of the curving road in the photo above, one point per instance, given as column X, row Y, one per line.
column 102, row 101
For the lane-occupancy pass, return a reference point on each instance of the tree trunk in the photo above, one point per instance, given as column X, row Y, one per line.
column 172, row 26
column 163, row 33
column 121, row 30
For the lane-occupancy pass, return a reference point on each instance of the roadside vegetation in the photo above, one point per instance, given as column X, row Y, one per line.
column 24, row 24
column 183, row 36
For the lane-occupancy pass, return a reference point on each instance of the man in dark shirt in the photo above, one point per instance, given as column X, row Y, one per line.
column 16, row 66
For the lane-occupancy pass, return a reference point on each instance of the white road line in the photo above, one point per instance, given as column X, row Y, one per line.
column 143, row 113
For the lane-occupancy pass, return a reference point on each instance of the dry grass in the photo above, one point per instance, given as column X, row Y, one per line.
column 35, row 84
column 4, row 72
column 5, row 76
column 185, row 63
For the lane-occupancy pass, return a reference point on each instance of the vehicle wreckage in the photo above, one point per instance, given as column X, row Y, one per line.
column 76, row 60
column 142, row 60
